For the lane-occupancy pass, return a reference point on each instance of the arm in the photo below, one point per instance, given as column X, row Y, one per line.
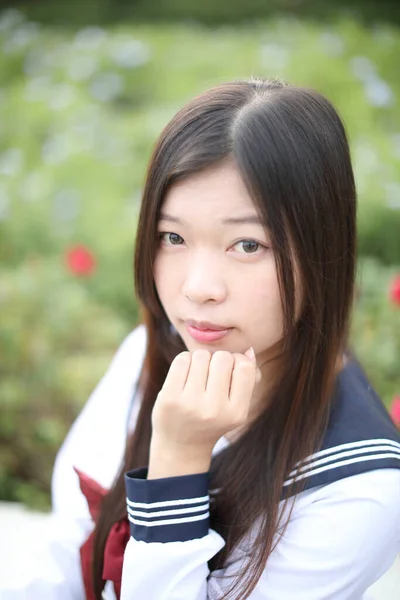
column 341, row 538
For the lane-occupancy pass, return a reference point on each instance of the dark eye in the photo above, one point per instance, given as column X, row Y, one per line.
column 249, row 246
column 172, row 239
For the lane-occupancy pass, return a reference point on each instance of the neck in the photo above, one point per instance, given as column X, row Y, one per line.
column 261, row 391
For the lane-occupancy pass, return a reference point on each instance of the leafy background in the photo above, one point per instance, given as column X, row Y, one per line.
column 83, row 96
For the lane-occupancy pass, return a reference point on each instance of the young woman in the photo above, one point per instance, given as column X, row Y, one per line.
column 235, row 448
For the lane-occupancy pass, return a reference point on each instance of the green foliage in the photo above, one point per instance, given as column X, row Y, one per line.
column 81, row 109
column 56, row 343
column 376, row 328
column 211, row 12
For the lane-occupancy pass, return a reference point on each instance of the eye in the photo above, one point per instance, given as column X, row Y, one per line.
column 170, row 238
column 249, row 246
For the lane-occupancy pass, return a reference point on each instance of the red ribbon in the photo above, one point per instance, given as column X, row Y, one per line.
column 115, row 544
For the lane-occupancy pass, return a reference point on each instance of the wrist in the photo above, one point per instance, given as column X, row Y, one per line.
column 171, row 460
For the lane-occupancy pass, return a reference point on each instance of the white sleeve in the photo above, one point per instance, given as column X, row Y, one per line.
column 340, row 539
column 50, row 566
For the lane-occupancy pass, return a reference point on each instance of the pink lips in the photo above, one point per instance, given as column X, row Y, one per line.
column 204, row 331
column 205, row 325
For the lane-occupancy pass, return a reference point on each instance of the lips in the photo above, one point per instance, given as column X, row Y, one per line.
column 206, row 325
column 207, row 336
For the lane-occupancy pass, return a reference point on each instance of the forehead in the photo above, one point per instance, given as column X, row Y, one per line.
column 220, row 189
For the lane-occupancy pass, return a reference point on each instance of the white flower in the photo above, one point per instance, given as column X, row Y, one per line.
column 4, row 204
column 82, row 67
column 107, row 86
column 11, row 161
column 130, row 54
column 20, row 37
column 362, row 68
column 33, row 186
column 37, row 89
column 10, row 18
column 56, row 149
column 379, row 93
column 274, row 56
column 66, row 204
column 62, row 95
column 393, row 194
column 333, row 44
column 35, row 62
column 366, row 162
column 89, row 38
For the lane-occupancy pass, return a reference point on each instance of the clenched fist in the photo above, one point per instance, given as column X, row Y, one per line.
column 204, row 396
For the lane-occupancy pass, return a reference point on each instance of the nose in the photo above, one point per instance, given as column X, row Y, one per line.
column 204, row 281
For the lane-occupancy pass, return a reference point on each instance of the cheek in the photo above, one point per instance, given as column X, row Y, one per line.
column 165, row 278
column 264, row 292
column 263, row 307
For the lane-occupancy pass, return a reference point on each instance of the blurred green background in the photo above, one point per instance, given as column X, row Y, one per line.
column 85, row 89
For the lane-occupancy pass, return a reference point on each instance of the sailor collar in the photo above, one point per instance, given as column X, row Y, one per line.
column 360, row 435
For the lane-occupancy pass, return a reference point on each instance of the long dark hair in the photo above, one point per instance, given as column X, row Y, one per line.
column 291, row 150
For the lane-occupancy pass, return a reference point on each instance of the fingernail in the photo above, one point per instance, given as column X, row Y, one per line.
column 251, row 355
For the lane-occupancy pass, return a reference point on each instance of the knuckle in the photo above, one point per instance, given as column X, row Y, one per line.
column 209, row 416
column 201, row 355
column 239, row 418
column 164, row 398
column 183, row 357
column 223, row 357
column 242, row 364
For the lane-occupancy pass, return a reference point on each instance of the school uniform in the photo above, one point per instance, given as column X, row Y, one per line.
column 343, row 534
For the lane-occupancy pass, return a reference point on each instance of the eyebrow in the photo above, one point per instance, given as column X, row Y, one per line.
column 245, row 220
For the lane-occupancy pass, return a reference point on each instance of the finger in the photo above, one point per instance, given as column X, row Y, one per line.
column 197, row 377
column 250, row 354
column 177, row 375
column 220, row 374
column 252, row 357
column 242, row 384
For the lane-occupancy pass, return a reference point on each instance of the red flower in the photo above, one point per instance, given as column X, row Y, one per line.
column 395, row 410
column 395, row 290
column 80, row 261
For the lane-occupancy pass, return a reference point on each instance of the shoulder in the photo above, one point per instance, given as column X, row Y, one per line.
column 121, row 375
column 132, row 347
column 340, row 538
column 136, row 338
column 120, row 378
column 360, row 436
column 355, row 519
column 380, row 487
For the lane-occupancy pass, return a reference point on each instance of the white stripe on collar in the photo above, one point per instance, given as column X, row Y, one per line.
column 391, row 453
column 337, row 451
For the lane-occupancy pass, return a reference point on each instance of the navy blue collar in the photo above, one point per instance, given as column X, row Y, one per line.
column 360, row 436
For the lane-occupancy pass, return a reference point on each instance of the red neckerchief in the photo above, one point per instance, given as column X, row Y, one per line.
column 115, row 544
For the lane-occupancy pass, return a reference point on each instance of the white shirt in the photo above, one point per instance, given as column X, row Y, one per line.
column 340, row 539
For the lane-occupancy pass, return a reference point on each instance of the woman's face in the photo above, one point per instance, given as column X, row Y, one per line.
column 215, row 264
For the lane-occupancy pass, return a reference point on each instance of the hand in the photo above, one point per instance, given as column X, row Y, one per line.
column 203, row 397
